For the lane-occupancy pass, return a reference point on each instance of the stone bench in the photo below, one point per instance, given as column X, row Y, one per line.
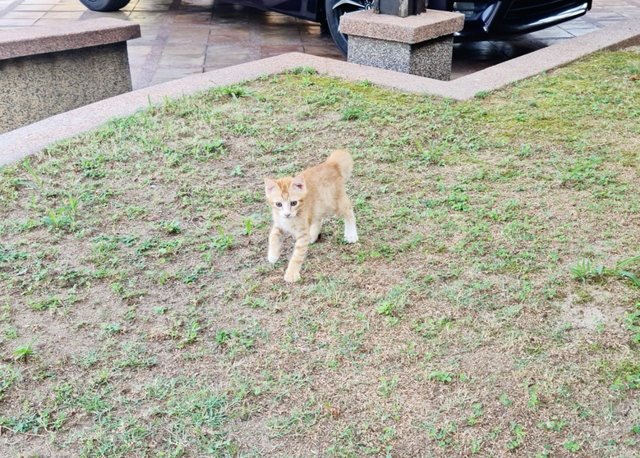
column 50, row 70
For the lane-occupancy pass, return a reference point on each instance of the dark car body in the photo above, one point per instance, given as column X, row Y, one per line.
column 483, row 19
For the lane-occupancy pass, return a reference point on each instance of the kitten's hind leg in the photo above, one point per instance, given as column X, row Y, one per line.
column 350, row 230
column 275, row 244
column 314, row 231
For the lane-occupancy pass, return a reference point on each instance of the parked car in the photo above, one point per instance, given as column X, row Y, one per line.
column 483, row 19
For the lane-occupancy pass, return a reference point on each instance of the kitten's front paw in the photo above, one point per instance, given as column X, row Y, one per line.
column 291, row 276
column 351, row 236
column 350, row 233
column 273, row 258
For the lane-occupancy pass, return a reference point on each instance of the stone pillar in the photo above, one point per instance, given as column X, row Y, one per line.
column 402, row 8
column 421, row 45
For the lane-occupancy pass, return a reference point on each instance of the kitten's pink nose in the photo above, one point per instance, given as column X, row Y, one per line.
column 287, row 215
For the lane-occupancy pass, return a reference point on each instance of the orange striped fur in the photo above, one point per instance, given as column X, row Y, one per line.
column 299, row 205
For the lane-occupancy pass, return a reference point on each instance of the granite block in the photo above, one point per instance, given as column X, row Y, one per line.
column 389, row 55
column 38, row 86
column 420, row 45
column 412, row 29
column 431, row 59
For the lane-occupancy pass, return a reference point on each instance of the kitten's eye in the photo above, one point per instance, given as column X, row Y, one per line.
column 278, row 204
column 294, row 203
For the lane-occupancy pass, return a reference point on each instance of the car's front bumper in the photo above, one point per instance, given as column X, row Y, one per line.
column 494, row 18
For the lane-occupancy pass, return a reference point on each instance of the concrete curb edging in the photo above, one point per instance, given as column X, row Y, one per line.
column 31, row 139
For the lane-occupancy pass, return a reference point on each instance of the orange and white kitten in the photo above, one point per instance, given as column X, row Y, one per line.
column 299, row 205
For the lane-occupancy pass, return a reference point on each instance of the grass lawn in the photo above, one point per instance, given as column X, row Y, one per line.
column 491, row 307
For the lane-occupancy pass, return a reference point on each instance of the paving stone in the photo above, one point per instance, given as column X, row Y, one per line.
column 42, row 8
column 24, row 15
column 274, row 50
column 77, row 6
column 39, row 2
column 10, row 23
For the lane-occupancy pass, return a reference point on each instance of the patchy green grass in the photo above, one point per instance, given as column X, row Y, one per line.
column 491, row 306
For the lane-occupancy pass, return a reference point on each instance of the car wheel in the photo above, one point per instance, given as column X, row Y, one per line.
column 334, row 9
column 105, row 5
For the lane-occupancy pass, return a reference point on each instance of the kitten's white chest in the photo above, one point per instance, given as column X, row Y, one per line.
column 288, row 225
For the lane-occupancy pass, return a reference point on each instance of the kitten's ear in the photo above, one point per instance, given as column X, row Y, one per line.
column 269, row 185
column 298, row 183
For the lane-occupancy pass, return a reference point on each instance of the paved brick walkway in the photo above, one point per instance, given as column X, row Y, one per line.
column 181, row 37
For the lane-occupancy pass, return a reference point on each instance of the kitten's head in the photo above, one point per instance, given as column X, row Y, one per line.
column 286, row 195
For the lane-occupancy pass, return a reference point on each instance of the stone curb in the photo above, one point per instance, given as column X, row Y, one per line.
column 31, row 139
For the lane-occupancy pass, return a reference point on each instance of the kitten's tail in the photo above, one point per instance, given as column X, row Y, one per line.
column 344, row 162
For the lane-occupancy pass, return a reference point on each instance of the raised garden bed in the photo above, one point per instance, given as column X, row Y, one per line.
column 139, row 316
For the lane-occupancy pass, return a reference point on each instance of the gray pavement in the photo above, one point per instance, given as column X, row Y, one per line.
column 184, row 37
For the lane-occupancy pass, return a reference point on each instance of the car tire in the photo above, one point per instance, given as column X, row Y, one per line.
column 105, row 5
column 333, row 23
